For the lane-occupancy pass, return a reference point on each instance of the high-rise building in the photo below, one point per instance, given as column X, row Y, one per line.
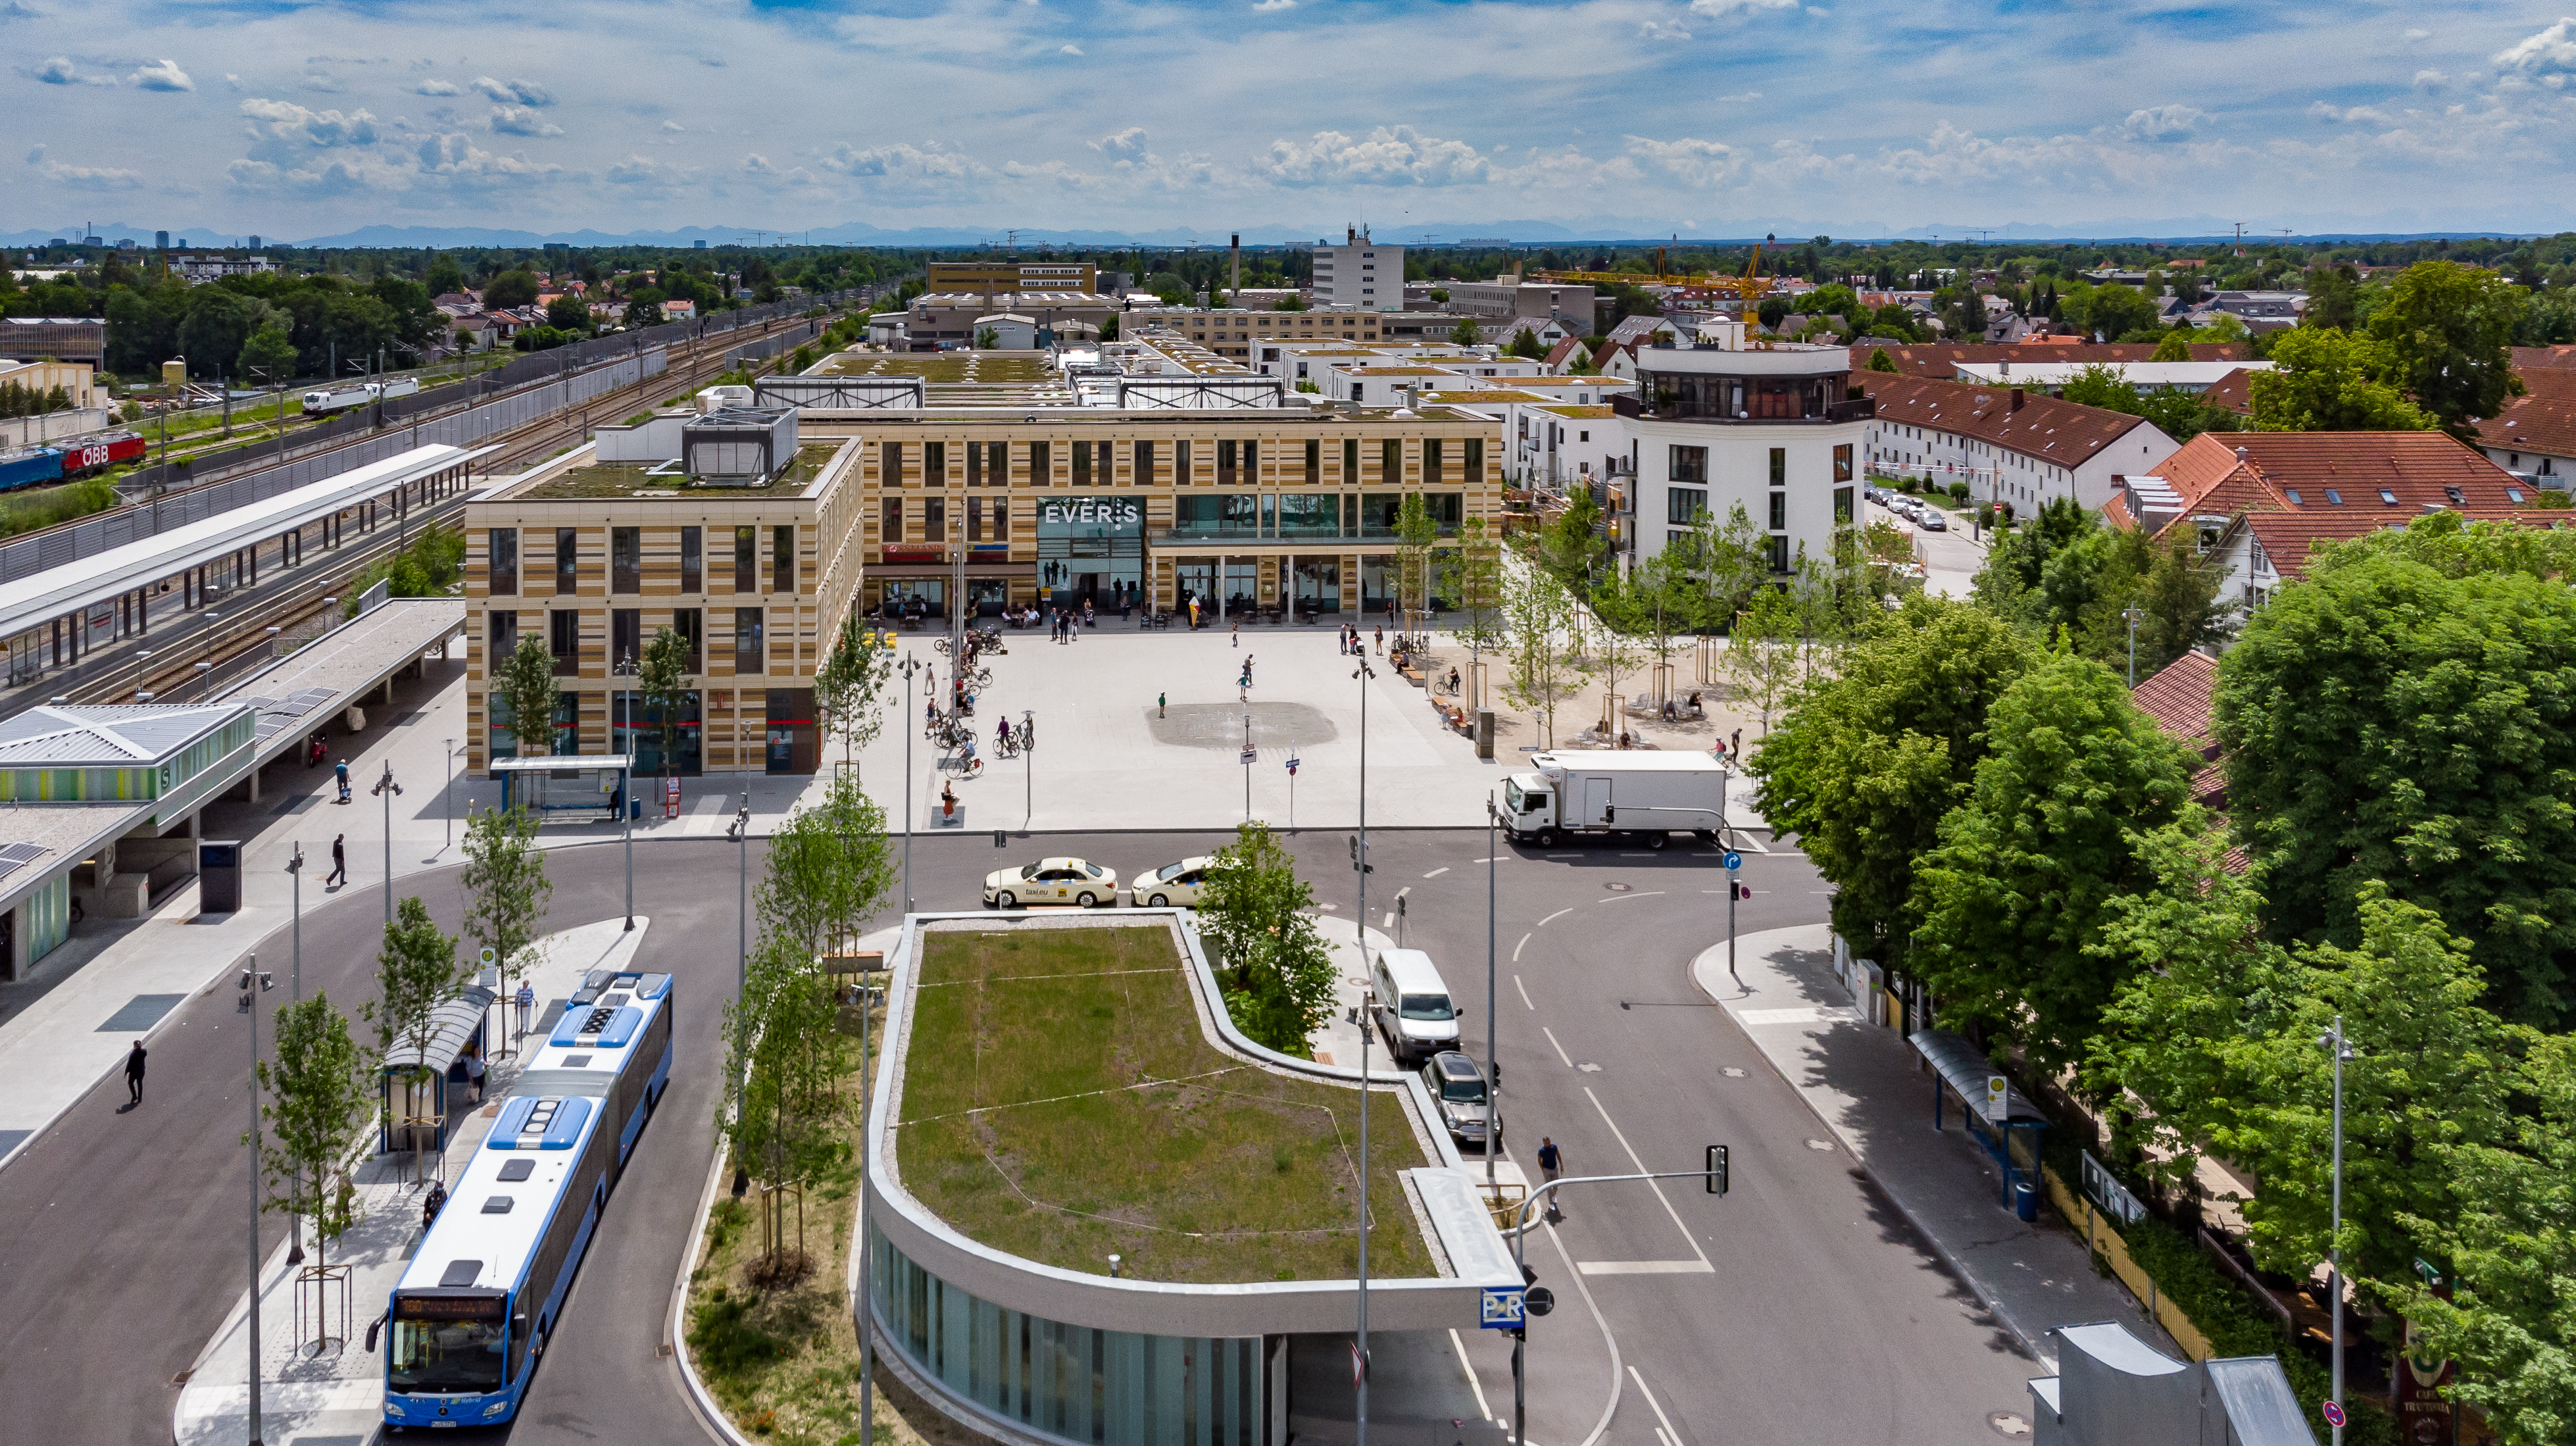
column 1359, row 274
column 161, row 240
column 254, row 243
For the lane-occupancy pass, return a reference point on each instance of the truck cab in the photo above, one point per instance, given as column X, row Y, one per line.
column 1529, row 805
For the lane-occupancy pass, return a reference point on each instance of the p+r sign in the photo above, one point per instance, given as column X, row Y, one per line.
column 1499, row 1308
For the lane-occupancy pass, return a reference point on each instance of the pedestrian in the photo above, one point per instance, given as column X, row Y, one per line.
column 1162, row 705
column 474, row 1075
column 527, row 1001
column 1551, row 1165
column 339, row 862
column 1247, row 669
column 134, row 1074
column 1381, row 641
column 947, row 801
column 432, row 1203
column 1234, row 639
column 1126, row 600
column 341, row 769
column 1736, row 747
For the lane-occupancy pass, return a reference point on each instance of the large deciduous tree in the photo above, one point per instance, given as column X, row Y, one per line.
column 1868, row 761
column 2448, row 333
column 2012, row 902
column 2324, row 380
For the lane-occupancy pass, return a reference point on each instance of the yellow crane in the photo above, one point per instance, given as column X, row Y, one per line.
column 1752, row 286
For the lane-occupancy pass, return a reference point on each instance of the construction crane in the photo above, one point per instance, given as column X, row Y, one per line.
column 1751, row 286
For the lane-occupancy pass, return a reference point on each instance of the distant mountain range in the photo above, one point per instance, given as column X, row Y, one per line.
column 1627, row 230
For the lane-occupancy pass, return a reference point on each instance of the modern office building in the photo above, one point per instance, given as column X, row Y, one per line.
column 1359, row 274
column 1003, row 277
column 1121, row 1324
column 1508, row 298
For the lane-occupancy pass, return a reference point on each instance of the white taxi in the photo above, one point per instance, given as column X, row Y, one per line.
column 1052, row 881
column 1173, row 884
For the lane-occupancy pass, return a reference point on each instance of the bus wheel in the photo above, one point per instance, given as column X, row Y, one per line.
column 1658, row 840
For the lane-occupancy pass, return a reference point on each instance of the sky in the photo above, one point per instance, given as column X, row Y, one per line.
column 1607, row 117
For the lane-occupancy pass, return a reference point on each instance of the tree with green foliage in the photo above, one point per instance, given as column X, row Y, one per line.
column 2333, row 298
column 416, row 972
column 2174, row 348
column 510, row 290
column 1525, row 343
column 2447, row 333
column 2388, row 719
column 782, row 1115
column 319, row 1096
column 1761, row 658
column 524, row 686
column 1868, row 761
column 829, row 870
column 662, row 678
column 1465, row 333
column 988, row 338
column 506, row 889
column 1416, row 533
column 1272, row 965
column 2102, row 385
column 1880, row 361
column 1543, row 647
column 1572, row 545
column 267, row 357
column 2331, row 381
column 445, row 276
column 1730, row 560
column 851, row 686
column 569, row 313
column 2012, row 901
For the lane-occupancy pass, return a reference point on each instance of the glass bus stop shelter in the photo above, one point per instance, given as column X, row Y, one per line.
column 2008, row 1127
column 578, row 788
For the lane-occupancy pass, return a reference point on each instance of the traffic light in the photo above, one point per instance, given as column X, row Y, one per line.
column 1717, row 1169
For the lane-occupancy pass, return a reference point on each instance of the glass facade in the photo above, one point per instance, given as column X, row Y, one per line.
column 1107, row 1388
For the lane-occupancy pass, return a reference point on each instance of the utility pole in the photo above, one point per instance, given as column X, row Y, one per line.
column 2334, row 1040
column 253, row 984
column 386, row 789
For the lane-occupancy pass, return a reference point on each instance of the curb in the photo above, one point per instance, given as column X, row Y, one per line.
column 710, row 1415
column 1951, row 1262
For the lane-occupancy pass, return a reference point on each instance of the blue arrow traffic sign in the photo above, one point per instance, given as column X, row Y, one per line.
column 1734, row 860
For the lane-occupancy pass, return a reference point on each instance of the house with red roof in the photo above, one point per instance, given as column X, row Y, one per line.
column 2008, row 444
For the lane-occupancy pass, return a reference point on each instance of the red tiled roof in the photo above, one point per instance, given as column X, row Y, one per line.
column 2553, row 383
column 2528, row 359
column 2059, row 433
column 2182, row 697
column 2543, row 424
column 2418, row 469
column 2292, row 538
column 1941, row 360
column 2116, row 512
column 2234, row 391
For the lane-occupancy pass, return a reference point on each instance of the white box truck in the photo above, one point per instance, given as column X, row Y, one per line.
column 1644, row 796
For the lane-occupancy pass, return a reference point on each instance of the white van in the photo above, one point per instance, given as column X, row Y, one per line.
column 1413, row 1009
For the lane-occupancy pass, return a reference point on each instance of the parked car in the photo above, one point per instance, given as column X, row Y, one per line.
column 1933, row 521
column 1413, row 1008
column 1458, row 1088
column 1051, row 881
column 1172, row 884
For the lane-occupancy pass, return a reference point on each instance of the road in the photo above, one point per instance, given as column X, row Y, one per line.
column 1819, row 1316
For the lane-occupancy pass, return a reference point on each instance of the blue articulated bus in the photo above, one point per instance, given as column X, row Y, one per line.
column 473, row 1310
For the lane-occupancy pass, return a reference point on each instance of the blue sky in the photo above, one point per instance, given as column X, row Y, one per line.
column 1710, row 117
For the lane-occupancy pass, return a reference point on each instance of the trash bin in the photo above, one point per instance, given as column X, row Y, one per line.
column 2025, row 1200
column 635, row 809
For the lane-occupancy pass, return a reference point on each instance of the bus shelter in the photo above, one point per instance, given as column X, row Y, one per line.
column 415, row 1084
column 578, row 788
column 2007, row 1124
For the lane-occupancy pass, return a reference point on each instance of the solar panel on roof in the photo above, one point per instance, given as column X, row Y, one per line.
column 22, row 853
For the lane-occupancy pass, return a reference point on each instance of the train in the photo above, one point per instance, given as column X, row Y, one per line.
column 61, row 461
column 488, row 1283
column 326, row 401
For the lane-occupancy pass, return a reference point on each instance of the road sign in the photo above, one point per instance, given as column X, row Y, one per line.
column 2334, row 1414
column 1247, row 756
column 1293, row 761
column 1359, row 1366
column 1499, row 1308
column 1734, row 860
column 1998, row 1098
column 1537, row 1300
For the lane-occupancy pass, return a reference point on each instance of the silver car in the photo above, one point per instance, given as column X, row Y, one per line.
column 1457, row 1086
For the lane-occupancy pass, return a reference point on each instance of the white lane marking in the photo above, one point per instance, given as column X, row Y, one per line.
column 1664, row 1438
column 1642, row 894
column 1390, row 920
column 1470, row 1367
column 1651, row 1401
column 1400, row 893
column 1617, row 1383
column 1435, row 873
column 1655, row 1185
column 1543, row 923
column 1525, row 1000
column 1647, row 1267
column 1484, row 861
column 1516, row 948
column 1543, row 1029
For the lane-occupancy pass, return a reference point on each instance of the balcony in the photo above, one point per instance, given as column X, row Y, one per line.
column 1852, row 409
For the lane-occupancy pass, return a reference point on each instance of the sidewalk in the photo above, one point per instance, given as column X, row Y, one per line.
column 1865, row 1085
column 56, row 1039
column 336, row 1392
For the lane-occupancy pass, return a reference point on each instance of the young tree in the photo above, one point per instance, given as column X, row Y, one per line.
column 1762, row 653
column 1614, row 654
column 416, row 972
column 506, row 889
column 268, row 356
column 828, row 871
column 850, row 687
column 1465, row 333
column 1571, row 545
column 1546, row 660
column 1258, row 918
column 1868, row 761
column 1415, row 533
column 782, row 1115
column 318, row 1097
column 1730, row 560
column 1880, row 361
column 2174, row 348
column 1480, row 588
column 2012, row 900
column 523, row 684
column 662, row 678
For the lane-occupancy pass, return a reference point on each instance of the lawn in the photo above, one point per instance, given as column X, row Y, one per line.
column 1061, row 1104
column 624, row 479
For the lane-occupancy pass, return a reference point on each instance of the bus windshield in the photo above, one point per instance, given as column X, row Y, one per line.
column 459, row 1351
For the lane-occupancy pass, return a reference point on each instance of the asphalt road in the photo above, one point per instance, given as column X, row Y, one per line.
column 1821, row 1317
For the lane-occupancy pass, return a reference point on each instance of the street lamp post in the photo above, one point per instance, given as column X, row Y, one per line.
column 1368, row 1005
column 295, row 872
column 625, row 668
column 253, row 984
column 740, row 833
column 449, row 806
column 1732, row 888
column 1493, row 1080
column 909, row 666
column 1028, row 768
column 2335, row 1041
column 386, row 789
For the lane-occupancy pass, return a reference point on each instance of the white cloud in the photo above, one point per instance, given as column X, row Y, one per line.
column 1663, row 30
column 1386, row 156
column 1126, row 145
column 2548, row 56
column 759, row 168
column 520, row 120
column 1068, row 49
column 673, row 128
column 83, row 178
column 1693, row 162
column 287, row 121
column 1274, row 4
column 2162, row 123
column 323, row 84
column 455, row 157
column 1739, row 7
column 2419, row 34
column 905, row 165
column 2349, row 115
column 514, row 92
column 2430, row 79
column 57, row 71
column 643, row 173
column 436, row 87
column 164, row 75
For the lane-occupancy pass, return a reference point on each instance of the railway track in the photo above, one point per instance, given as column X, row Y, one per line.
column 169, row 670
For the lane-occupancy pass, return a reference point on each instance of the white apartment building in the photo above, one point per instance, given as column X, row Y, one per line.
column 2008, row 444
column 1508, row 298
column 1359, row 274
column 1775, row 430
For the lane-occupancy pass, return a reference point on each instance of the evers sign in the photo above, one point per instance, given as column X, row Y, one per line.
column 1117, row 512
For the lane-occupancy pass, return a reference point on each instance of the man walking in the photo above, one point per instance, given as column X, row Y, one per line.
column 1162, row 705
column 342, row 769
column 339, row 862
column 134, row 1075
column 1551, row 1165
